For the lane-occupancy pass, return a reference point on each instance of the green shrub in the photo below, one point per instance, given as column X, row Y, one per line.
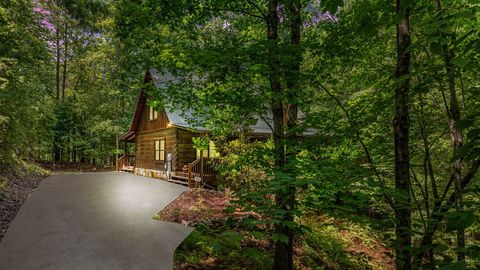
column 223, row 247
column 244, row 164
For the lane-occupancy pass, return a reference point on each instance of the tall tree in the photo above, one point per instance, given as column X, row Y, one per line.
column 456, row 135
column 285, row 200
column 401, row 126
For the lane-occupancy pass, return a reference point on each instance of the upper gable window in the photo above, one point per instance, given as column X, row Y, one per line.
column 152, row 113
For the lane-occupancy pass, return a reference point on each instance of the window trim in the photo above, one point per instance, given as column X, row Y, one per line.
column 160, row 151
column 152, row 114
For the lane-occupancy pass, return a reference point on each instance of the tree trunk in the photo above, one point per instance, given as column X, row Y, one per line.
column 457, row 142
column 57, row 62
column 123, row 104
column 428, row 171
column 65, row 59
column 283, row 258
column 286, row 200
column 56, row 148
column 56, row 139
column 456, row 137
column 401, row 126
column 294, row 8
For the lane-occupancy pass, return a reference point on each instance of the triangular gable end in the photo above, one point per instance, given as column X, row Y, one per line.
column 141, row 99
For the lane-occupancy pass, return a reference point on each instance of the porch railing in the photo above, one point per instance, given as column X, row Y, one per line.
column 200, row 172
column 125, row 162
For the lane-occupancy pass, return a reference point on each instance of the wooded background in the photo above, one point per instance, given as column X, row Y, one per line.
column 392, row 88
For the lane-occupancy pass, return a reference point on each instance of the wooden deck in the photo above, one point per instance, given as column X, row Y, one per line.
column 199, row 173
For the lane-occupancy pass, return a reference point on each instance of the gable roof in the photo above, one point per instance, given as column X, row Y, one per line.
column 130, row 134
column 179, row 118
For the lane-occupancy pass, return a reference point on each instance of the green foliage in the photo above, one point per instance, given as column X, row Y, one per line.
column 200, row 143
column 459, row 220
column 83, row 125
column 23, row 72
column 244, row 165
column 220, row 248
column 344, row 88
column 331, row 244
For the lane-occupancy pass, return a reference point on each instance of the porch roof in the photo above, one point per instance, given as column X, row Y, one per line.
column 128, row 136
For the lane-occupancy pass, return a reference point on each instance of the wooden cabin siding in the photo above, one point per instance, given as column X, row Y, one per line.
column 145, row 147
column 178, row 142
column 146, row 124
column 185, row 152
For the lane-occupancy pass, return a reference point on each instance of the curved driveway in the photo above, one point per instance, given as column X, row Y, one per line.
column 94, row 221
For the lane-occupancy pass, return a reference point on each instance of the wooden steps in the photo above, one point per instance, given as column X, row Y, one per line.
column 181, row 174
column 178, row 181
column 179, row 178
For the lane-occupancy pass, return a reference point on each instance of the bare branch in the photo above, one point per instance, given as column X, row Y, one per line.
column 365, row 149
column 257, row 8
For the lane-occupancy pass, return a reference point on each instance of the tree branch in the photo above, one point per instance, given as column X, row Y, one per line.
column 439, row 212
column 365, row 149
column 257, row 8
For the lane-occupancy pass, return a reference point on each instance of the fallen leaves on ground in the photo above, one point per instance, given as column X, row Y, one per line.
column 16, row 191
column 195, row 206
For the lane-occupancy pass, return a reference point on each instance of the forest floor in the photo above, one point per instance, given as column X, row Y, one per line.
column 15, row 187
column 222, row 240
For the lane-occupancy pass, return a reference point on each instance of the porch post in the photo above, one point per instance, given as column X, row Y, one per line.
column 116, row 153
column 127, row 158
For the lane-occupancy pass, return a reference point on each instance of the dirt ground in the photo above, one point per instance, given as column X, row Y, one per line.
column 14, row 194
column 207, row 206
column 196, row 206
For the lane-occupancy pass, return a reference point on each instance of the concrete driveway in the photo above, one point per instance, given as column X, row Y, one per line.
column 94, row 221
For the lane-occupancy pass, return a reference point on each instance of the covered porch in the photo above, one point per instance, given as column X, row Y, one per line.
column 196, row 173
column 126, row 162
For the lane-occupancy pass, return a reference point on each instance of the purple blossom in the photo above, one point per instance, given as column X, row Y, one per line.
column 46, row 16
column 42, row 11
column 327, row 16
column 48, row 25
column 319, row 17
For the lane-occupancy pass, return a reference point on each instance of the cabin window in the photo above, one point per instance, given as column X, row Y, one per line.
column 153, row 114
column 211, row 152
column 205, row 153
column 160, row 150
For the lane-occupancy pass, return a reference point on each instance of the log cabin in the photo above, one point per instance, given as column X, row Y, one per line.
column 163, row 146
